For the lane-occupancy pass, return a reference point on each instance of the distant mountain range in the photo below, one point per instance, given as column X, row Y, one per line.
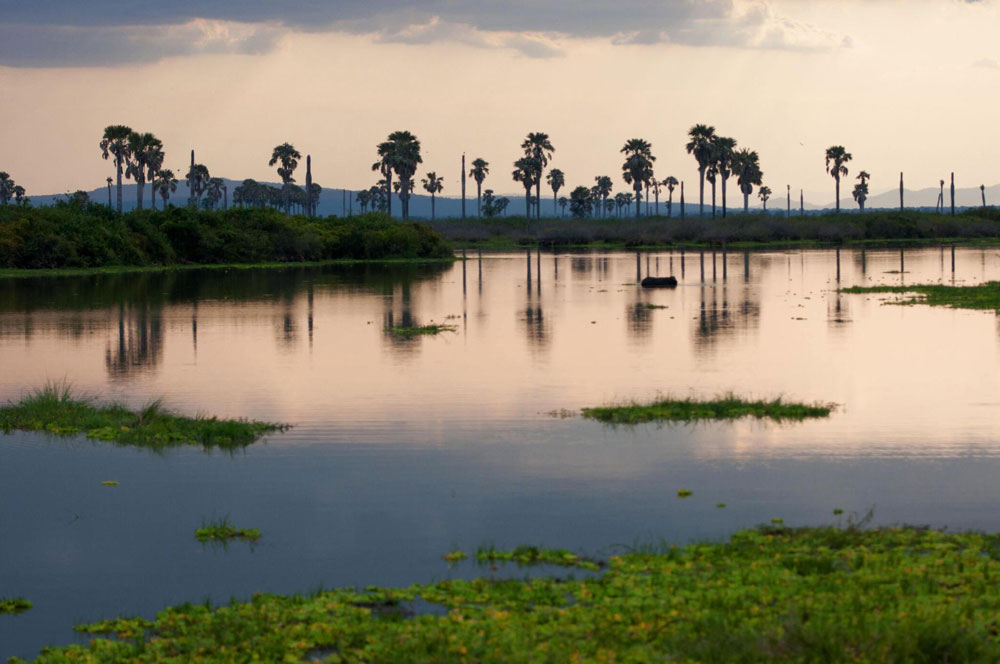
column 341, row 201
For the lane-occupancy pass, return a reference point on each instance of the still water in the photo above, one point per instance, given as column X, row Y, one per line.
column 403, row 449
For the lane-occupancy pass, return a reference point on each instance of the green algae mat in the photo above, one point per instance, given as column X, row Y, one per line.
column 768, row 595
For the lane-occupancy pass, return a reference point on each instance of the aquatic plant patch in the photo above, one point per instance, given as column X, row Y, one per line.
column 725, row 407
column 982, row 296
column 56, row 410
column 422, row 330
column 220, row 530
column 14, row 605
column 775, row 594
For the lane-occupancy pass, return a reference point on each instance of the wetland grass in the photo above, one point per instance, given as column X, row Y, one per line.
column 775, row 594
column 14, row 605
column 723, row 407
column 422, row 330
column 56, row 410
column 983, row 296
column 220, row 530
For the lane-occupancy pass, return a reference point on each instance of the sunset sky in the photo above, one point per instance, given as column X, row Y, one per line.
column 908, row 85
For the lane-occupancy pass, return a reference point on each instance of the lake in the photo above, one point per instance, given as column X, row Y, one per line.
column 406, row 448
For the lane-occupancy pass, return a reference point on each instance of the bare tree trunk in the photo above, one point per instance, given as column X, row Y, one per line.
column 953, row 193
column 463, row 189
column 309, row 183
column 901, row 191
column 682, row 199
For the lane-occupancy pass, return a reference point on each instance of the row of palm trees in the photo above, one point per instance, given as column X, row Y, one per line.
column 10, row 189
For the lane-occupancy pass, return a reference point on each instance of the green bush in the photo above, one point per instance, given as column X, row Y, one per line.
column 71, row 235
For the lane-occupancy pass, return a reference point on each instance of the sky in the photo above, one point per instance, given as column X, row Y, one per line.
column 904, row 85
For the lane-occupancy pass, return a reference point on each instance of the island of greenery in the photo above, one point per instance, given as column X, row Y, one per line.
column 56, row 410
column 724, row 407
column 69, row 235
column 982, row 296
column 775, row 594
column 220, row 530
column 14, row 605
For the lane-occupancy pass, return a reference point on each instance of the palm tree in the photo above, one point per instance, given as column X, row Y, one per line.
column 19, row 193
column 764, row 193
column 198, row 178
column 142, row 149
column 562, row 204
column 860, row 192
column 712, row 174
column 384, row 166
column 109, row 191
column 656, row 193
column 580, row 202
column 213, row 192
column 838, row 156
column 524, row 172
column 556, row 179
column 480, row 169
column 165, row 183
column 538, row 148
column 603, row 188
column 115, row 143
column 399, row 154
column 724, row 148
column 638, row 167
column 155, row 164
column 288, row 158
column 700, row 146
column 313, row 193
column 746, row 168
column 433, row 185
column 670, row 183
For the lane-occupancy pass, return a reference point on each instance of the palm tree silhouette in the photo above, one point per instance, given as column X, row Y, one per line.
column 746, row 168
column 6, row 187
column 603, row 189
column 538, row 148
column 198, row 177
column 712, row 174
column 433, row 185
column 764, row 193
column 562, row 204
column 143, row 150
column 115, row 143
column 480, row 169
column 670, row 182
column 724, row 148
column 524, row 172
column 638, row 167
column 20, row 191
column 165, row 183
column 700, row 146
column 288, row 158
column 860, row 192
column 556, row 179
column 837, row 156
column 155, row 164
column 400, row 153
column 384, row 166
column 109, row 191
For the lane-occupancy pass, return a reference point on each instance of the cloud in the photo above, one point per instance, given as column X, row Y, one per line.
column 41, row 46
column 107, row 32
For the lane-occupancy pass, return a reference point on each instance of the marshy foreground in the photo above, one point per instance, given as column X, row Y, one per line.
column 408, row 447
column 773, row 594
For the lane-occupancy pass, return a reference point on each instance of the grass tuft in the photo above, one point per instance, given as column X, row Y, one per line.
column 14, row 605
column 221, row 530
column 724, row 407
column 421, row 330
column 55, row 409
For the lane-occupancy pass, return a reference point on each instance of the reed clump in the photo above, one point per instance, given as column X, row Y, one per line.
column 724, row 407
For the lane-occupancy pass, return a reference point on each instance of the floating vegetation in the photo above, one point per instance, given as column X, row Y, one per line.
column 14, row 605
column 684, row 493
column 455, row 556
column 533, row 555
column 983, row 296
column 421, row 330
column 724, row 407
column 109, row 483
column 720, row 505
column 220, row 530
column 56, row 410
column 767, row 595
column 657, row 306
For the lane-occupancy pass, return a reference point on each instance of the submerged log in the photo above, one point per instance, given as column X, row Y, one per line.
column 659, row 282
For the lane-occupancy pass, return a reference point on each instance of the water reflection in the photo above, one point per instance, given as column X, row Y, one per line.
column 718, row 319
column 138, row 346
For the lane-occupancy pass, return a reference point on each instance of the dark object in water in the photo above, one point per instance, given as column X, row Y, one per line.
column 659, row 282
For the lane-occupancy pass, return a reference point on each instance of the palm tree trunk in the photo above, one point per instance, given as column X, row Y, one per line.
column 670, row 204
column 527, row 202
column 656, row 207
column 538, row 195
column 713, row 200
column 638, row 200
column 432, row 206
column 724, row 197
column 837, row 180
column 119, row 163
column 388, row 192
column 746, row 202
column 701, row 191
column 479, row 199
column 109, row 195
column 139, row 185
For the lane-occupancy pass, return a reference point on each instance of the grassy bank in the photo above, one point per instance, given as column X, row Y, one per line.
column 55, row 410
column 725, row 407
column 983, row 296
column 767, row 595
column 73, row 236
column 911, row 227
